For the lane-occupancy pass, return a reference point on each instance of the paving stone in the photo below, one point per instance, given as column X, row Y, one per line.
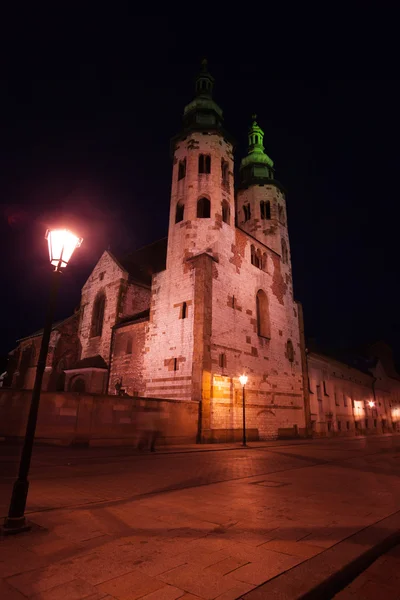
column 131, row 586
column 259, row 572
column 292, row 548
column 225, row 566
column 95, row 568
column 156, row 566
column 72, row 590
column 190, row 579
column 236, row 592
column 169, row 592
column 40, row 580
column 7, row 592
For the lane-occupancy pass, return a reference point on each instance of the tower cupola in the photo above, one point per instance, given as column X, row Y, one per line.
column 203, row 113
column 257, row 166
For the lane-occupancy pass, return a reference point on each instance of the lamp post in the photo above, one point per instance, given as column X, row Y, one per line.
column 62, row 244
column 243, row 381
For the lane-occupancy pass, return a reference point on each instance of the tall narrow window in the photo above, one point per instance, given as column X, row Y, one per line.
column 263, row 325
column 180, row 210
column 290, row 350
column 203, row 208
column 247, row 212
column 129, row 345
column 98, row 315
column 175, row 364
column 264, row 262
column 225, row 212
column 265, row 209
column 184, row 310
column 255, row 257
column 225, row 171
column 222, row 361
column 284, row 252
column 204, row 163
column 182, row 169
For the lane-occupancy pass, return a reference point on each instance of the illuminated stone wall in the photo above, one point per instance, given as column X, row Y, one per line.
column 209, row 267
column 122, row 298
column 127, row 359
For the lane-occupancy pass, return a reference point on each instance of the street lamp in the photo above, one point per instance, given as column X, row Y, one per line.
column 243, row 381
column 62, row 244
column 371, row 403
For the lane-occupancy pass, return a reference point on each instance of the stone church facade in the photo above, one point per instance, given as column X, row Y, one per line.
column 183, row 318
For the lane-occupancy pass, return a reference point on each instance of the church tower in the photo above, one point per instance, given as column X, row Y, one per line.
column 202, row 195
column 261, row 208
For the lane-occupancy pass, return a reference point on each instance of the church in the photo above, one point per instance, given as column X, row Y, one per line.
column 183, row 318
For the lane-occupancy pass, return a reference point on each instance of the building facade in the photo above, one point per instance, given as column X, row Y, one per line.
column 183, row 318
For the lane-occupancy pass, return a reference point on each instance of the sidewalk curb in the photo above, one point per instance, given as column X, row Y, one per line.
column 326, row 574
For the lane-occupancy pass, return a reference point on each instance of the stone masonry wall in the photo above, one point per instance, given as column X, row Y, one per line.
column 64, row 350
column 274, row 390
column 123, row 298
column 106, row 277
column 127, row 359
column 267, row 231
column 135, row 299
column 67, row 418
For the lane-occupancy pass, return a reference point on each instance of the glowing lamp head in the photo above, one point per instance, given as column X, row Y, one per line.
column 243, row 379
column 371, row 404
column 62, row 244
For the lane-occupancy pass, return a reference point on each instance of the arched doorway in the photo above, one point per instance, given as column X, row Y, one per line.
column 78, row 385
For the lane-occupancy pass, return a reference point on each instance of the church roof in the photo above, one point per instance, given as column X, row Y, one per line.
column 91, row 362
column 53, row 327
column 136, row 318
column 141, row 264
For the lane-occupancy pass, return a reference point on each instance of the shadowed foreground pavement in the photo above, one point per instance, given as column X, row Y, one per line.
column 210, row 524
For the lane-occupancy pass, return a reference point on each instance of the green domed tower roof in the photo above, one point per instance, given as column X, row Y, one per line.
column 257, row 166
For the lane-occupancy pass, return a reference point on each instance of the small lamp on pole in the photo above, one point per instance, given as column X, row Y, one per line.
column 243, row 380
column 62, row 244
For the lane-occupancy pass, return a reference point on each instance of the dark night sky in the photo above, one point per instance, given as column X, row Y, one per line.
column 87, row 111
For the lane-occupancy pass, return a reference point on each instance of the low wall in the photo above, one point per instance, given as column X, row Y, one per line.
column 67, row 418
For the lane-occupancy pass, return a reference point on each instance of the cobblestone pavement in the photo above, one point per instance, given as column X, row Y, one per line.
column 380, row 580
column 210, row 524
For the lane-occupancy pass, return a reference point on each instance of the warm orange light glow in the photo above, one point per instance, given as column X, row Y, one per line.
column 62, row 244
column 243, row 379
column 371, row 404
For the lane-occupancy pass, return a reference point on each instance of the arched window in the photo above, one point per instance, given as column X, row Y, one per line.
column 290, row 350
column 204, row 163
column 255, row 257
column 203, row 208
column 263, row 325
column 284, row 252
column 98, row 315
column 33, row 355
column 265, row 209
column 225, row 171
column 225, row 212
column 247, row 212
column 180, row 210
column 182, row 169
